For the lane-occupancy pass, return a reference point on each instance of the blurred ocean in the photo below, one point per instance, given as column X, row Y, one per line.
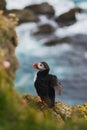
column 67, row 61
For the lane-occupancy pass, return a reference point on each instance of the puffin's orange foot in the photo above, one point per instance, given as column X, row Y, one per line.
column 41, row 101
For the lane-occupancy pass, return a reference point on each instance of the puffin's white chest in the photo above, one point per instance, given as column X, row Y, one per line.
column 35, row 77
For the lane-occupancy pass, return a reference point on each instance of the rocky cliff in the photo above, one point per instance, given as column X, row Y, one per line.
column 8, row 43
column 2, row 4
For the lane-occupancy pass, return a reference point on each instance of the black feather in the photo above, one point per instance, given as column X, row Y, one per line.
column 45, row 85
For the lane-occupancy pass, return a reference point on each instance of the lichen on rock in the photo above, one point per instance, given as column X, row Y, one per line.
column 60, row 111
column 8, row 43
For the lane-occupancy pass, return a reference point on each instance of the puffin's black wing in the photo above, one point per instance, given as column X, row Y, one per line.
column 45, row 90
column 52, row 96
column 56, row 84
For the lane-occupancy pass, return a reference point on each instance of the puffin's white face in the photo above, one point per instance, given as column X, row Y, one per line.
column 41, row 66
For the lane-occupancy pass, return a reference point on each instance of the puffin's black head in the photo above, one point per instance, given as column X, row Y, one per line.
column 41, row 66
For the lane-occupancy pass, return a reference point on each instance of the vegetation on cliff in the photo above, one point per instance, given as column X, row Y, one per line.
column 24, row 113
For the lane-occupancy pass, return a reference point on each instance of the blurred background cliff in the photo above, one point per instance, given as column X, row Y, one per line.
column 55, row 32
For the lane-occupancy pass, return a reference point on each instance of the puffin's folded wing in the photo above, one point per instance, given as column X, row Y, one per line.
column 58, row 87
column 57, row 84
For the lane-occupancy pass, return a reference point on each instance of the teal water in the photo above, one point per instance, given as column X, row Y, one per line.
column 78, row 1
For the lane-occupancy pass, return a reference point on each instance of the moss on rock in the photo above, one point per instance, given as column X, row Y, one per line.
column 60, row 111
column 8, row 43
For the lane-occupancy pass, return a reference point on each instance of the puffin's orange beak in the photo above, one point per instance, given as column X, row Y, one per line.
column 35, row 66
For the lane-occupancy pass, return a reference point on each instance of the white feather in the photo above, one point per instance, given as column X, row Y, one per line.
column 35, row 77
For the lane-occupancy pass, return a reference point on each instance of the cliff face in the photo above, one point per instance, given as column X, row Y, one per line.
column 8, row 43
column 2, row 4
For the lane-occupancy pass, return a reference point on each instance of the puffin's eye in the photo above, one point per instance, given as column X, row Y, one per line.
column 41, row 65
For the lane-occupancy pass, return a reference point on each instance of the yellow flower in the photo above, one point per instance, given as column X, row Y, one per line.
column 82, row 109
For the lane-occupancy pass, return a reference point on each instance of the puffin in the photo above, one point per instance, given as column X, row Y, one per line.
column 46, row 84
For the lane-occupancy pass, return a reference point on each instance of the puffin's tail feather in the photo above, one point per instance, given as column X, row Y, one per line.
column 57, row 84
column 58, row 88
